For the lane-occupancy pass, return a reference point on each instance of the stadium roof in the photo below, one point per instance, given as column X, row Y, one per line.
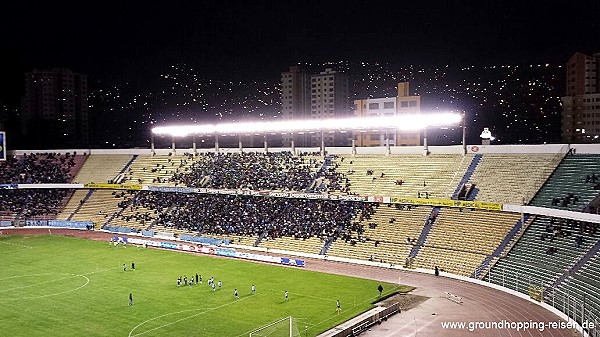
column 405, row 122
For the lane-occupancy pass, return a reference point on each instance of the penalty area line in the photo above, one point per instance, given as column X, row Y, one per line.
column 205, row 310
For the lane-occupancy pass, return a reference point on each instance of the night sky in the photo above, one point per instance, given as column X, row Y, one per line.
column 241, row 40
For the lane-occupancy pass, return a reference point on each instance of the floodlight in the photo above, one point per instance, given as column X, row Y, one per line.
column 486, row 134
column 404, row 122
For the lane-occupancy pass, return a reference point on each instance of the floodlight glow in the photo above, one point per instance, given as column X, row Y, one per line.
column 486, row 133
column 405, row 122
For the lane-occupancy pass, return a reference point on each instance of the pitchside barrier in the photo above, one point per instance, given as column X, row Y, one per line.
column 124, row 230
column 203, row 240
column 61, row 224
column 212, row 250
column 149, row 233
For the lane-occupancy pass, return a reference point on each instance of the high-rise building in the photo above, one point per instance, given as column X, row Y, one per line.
column 318, row 96
column 329, row 94
column 581, row 105
column 55, row 109
column 295, row 93
column 329, row 99
column 389, row 106
column 295, row 99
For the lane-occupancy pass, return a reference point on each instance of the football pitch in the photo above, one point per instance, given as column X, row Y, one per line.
column 63, row 286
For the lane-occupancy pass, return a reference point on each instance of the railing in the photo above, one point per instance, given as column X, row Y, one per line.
column 565, row 301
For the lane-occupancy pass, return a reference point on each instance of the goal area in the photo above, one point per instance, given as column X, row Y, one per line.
column 285, row 327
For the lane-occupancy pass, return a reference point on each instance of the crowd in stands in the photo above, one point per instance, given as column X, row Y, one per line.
column 564, row 228
column 354, row 232
column 31, row 203
column 34, row 168
column 594, row 179
column 251, row 216
column 132, row 200
column 566, row 200
column 330, row 180
column 251, row 170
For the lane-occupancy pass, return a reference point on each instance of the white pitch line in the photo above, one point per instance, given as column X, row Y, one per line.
column 29, row 275
column 181, row 319
column 15, row 244
column 87, row 281
column 37, row 284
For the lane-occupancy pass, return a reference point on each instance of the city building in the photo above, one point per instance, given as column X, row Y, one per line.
column 55, row 109
column 389, row 106
column 329, row 99
column 581, row 105
column 317, row 96
column 295, row 100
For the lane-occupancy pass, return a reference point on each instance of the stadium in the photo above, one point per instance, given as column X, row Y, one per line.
column 470, row 240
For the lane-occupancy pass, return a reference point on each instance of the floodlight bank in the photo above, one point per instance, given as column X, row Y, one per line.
column 404, row 122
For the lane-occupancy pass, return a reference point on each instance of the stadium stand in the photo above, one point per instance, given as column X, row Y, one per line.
column 461, row 239
column 573, row 177
column 157, row 170
column 101, row 206
column 547, row 249
column 434, row 176
column 512, row 179
column 101, row 168
column 73, row 205
column 386, row 236
column 36, row 168
column 272, row 171
column 584, row 286
column 310, row 245
column 31, row 204
column 256, row 218
column 134, row 212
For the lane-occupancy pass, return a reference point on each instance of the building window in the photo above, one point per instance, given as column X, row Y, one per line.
column 412, row 104
column 373, row 106
column 388, row 105
column 404, row 104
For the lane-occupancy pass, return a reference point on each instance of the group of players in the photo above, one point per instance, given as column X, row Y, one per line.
column 197, row 279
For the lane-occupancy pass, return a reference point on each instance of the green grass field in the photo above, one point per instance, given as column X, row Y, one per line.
column 61, row 286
